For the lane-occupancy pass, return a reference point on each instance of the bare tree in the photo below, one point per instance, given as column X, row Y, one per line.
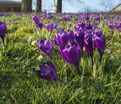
column 87, row 9
column 26, row 6
column 59, row 6
column 38, row 6
column 106, row 4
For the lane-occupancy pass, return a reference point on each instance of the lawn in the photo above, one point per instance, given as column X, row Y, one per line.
column 20, row 58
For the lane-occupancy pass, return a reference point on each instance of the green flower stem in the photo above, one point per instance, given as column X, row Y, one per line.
column 100, row 71
column 92, row 63
column 94, row 67
column 78, row 71
column 94, row 72
column 83, row 67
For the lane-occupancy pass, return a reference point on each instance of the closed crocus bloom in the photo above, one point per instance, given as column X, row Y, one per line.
column 71, row 36
column 38, row 22
column 100, row 44
column 47, row 71
column 51, row 26
column 61, row 39
column 72, row 54
column 79, row 35
column 3, row 29
column 45, row 45
column 88, row 44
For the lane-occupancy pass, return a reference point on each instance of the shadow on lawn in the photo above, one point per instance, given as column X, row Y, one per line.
column 6, row 81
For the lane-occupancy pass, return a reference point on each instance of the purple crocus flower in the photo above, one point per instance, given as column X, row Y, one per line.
column 61, row 39
column 72, row 54
column 79, row 35
column 48, row 15
column 112, row 25
column 71, row 36
column 51, row 26
column 45, row 45
column 88, row 26
column 47, row 71
column 97, row 18
column 100, row 44
column 88, row 44
column 38, row 22
column 98, row 33
column 65, row 18
column 79, row 26
column 119, row 26
column 3, row 29
column 87, row 17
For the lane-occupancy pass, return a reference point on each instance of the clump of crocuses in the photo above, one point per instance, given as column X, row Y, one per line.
column 47, row 70
column 71, row 45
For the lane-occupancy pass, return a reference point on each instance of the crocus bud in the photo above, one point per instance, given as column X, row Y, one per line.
column 45, row 45
column 88, row 44
column 72, row 54
column 79, row 35
column 51, row 26
column 61, row 39
column 71, row 36
column 38, row 22
column 100, row 44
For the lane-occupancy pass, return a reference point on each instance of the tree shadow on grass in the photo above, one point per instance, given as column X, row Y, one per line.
column 6, row 81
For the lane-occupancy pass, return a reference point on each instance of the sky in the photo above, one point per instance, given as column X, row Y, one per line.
column 74, row 6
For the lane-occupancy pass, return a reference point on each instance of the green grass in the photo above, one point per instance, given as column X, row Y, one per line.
column 19, row 83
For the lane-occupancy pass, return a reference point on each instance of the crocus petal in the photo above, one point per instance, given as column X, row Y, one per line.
column 47, row 71
column 45, row 45
column 72, row 54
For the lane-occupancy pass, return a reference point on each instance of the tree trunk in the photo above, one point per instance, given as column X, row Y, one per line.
column 38, row 5
column 59, row 6
column 26, row 6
